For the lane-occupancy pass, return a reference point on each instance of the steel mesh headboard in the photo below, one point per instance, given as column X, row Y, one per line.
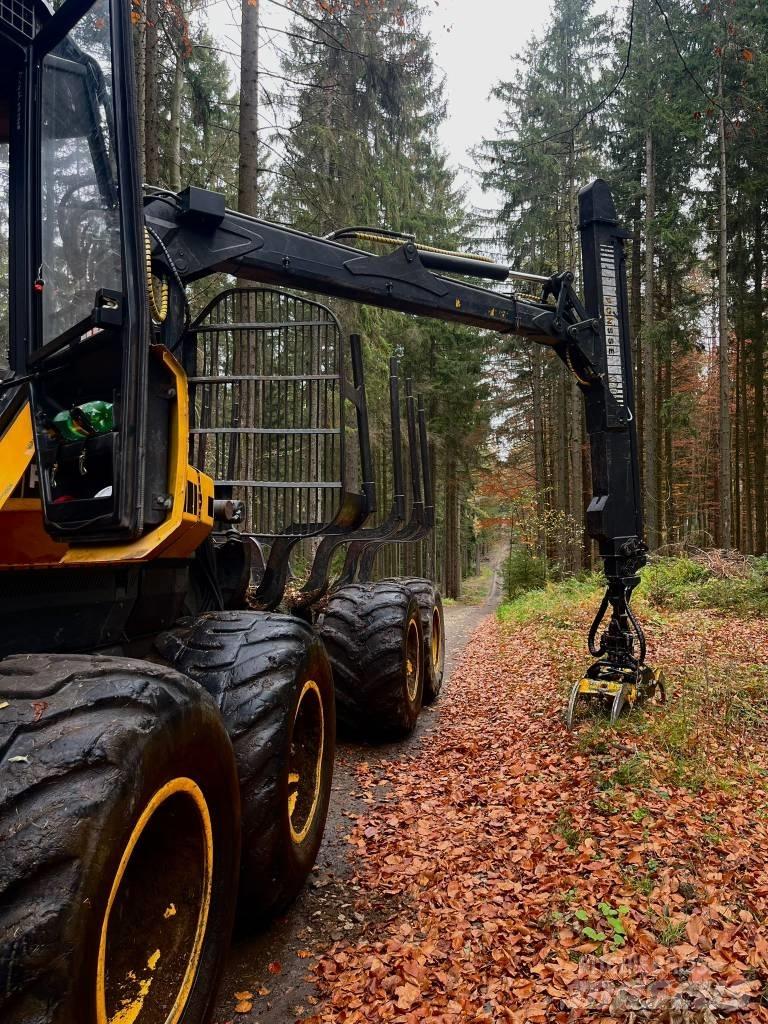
column 266, row 377
column 20, row 14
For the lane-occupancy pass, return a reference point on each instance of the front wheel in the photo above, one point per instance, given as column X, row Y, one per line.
column 119, row 821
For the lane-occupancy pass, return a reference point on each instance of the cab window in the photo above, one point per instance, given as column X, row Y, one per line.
column 80, row 213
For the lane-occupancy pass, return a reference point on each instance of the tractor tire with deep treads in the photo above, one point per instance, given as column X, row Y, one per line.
column 374, row 639
column 269, row 675
column 433, row 626
column 119, row 842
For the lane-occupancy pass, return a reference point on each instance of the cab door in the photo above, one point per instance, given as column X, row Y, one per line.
column 87, row 346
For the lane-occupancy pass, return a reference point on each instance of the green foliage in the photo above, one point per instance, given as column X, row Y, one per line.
column 555, row 603
column 633, row 773
column 607, row 924
column 671, row 932
column 566, row 828
column 667, row 583
column 523, row 572
column 538, row 157
column 363, row 146
column 681, row 583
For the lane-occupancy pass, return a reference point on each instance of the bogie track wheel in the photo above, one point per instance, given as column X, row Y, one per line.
column 433, row 626
column 270, row 677
column 119, row 824
column 375, row 642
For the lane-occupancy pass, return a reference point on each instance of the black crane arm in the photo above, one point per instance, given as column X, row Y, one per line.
column 200, row 240
column 194, row 235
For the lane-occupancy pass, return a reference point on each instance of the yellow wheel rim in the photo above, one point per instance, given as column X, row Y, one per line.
column 155, row 921
column 305, row 766
column 412, row 660
column 436, row 641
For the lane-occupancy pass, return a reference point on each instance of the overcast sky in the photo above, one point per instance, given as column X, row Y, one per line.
column 474, row 43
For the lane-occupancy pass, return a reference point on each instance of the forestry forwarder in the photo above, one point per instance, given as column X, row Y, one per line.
column 120, row 794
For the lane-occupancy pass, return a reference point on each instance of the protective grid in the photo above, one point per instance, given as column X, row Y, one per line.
column 19, row 15
column 267, row 408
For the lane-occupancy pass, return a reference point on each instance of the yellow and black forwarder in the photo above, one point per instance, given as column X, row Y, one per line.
column 157, row 713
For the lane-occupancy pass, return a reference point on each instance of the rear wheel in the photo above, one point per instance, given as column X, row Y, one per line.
column 375, row 642
column 270, row 677
column 119, row 817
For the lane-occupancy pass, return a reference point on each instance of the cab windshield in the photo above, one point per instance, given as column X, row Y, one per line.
column 80, row 214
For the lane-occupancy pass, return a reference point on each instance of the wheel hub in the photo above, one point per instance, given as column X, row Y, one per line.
column 306, row 761
column 153, row 928
column 436, row 641
column 412, row 660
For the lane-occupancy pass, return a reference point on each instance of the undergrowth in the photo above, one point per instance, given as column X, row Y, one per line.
column 675, row 584
column 555, row 602
column 681, row 583
column 718, row 694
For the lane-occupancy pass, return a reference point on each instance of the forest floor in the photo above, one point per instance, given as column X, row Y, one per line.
column 498, row 868
column 274, row 965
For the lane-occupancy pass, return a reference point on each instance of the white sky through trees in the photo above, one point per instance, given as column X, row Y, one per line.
column 474, row 45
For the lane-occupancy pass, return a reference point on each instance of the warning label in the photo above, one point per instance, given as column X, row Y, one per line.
column 611, row 317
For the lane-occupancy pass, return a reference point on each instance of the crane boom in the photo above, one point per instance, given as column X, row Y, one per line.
column 195, row 235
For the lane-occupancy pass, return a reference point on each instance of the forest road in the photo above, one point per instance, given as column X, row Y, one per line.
column 271, row 968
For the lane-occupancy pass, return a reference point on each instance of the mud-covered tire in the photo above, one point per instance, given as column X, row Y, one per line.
column 262, row 669
column 374, row 639
column 119, row 826
column 433, row 626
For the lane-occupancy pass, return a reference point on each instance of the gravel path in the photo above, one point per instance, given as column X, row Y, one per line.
column 275, row 961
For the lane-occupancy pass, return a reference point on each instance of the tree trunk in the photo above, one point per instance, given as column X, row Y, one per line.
column 174, row 169
column 725, row 539
column 562, row 547
column 432, row 411
column 749, row 516
column 248, row 179
column 650, row 432
column 452, row 557
column 246, row 356
column 669, row 469
column 152, row 95
column 140, row 56
column 576, row 474
column 636, row 314
column 737, row 449
column 742, row 497
column 758, row 384
column 538, row 443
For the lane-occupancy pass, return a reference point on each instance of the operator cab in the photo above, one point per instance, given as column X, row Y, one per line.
column 71, row 243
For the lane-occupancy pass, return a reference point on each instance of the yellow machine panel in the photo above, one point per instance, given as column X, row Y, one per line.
column 17, row 449
column 24, row 542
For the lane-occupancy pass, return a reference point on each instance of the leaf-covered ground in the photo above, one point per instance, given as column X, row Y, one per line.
column 513, row 872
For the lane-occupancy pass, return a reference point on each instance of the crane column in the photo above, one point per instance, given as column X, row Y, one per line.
column 614, row 515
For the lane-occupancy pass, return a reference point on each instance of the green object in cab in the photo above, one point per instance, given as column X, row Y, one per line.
column 84, row 420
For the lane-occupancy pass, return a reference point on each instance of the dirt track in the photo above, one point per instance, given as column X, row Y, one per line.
column 272, row 962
